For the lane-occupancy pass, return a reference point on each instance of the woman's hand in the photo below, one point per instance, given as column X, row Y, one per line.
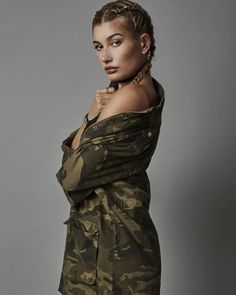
column 100, row 100
column 102, row 97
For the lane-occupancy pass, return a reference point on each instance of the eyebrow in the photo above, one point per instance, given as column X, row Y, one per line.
column 108, row 38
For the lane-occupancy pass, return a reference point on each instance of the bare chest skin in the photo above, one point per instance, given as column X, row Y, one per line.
column 76, row 140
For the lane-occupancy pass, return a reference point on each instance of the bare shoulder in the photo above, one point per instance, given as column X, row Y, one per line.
column 131, row 97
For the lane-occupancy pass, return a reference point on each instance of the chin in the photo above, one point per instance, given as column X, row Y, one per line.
column 114, row 77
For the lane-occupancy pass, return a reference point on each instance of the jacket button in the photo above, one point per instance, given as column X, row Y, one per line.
column 149, row 134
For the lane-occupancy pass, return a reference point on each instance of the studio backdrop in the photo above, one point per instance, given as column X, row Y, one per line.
column 49, row 74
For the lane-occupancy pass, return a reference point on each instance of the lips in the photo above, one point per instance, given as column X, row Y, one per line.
column 110, row 70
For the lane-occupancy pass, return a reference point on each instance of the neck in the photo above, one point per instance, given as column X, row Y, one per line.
column 127, row 80
column 120, row 83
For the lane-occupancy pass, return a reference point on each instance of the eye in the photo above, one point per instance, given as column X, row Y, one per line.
column 117, row 42
column 97, row 47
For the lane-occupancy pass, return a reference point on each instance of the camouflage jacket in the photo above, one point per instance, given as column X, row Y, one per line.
column 106, row 183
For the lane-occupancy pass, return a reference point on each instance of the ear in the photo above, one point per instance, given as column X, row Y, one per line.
column 145, row 42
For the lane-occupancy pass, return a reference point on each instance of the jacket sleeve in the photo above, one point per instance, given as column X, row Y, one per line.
column 93, row 166
column 98, row 164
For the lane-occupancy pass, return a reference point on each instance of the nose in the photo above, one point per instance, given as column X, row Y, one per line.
column 106, row 56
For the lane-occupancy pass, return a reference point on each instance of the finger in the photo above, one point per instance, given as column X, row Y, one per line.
column 110, row 89
column 106, row 90
column 101, row 100
column 103, row 97
column 106, row 98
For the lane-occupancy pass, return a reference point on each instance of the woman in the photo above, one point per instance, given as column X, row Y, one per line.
column 112, row 245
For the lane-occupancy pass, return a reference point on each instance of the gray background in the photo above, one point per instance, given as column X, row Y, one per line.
column 48, row 75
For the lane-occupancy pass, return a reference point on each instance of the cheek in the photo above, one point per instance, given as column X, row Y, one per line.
column 127, row 54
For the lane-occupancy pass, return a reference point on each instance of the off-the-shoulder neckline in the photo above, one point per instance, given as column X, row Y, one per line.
column 122, row 114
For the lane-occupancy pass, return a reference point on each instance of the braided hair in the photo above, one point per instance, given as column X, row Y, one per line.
column 137, row 20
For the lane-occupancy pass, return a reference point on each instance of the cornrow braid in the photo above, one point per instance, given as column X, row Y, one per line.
column 141, row 73
column 128, row 8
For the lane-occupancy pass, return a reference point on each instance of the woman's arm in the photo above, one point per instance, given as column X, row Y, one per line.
column 98, row 103
column 93, row 112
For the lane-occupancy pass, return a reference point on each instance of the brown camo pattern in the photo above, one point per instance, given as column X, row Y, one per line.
column 112, row 246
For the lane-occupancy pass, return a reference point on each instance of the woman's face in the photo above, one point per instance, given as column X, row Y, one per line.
column 117, row 47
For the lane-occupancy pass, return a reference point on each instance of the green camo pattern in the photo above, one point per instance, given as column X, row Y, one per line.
column 112, row 246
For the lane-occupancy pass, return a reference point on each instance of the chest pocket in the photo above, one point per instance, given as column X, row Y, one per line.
column 81, row 249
